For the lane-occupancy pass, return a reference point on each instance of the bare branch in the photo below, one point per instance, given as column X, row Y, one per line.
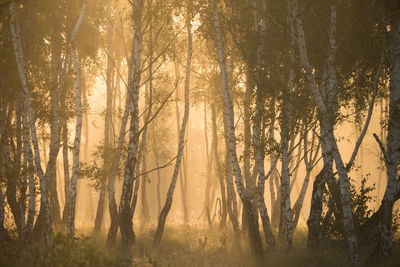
column 158, row 110
column 382, row 147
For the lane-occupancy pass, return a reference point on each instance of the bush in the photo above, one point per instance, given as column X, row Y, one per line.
column 361, row 202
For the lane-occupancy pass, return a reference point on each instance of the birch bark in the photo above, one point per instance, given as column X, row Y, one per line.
column 251, row 212
column 19, row 56
column 125, row 216
column 78, row 126
column 286, row 211
column 230, row 190
column 112, row 232
column 329, row 146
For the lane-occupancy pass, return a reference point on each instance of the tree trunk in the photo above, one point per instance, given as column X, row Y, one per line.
column 208, row 200
column 4, row 236
column 251, row 212
column 30, row 170
column 67, row 183
column 78, row 126
column 231, row 194
column 3, row 114
column 125, row 216
column 12, row 171
column 309, row 162
column 168, row 201
column 145, row 205
column 385, row 234
column 224, row 211
column 51, row 176
column 182, row 172
column 112, row 232
column 19, row 55
column 143, row 145
column 329, row 147
column 157, row 161
column 286, row 225
column 250, row 183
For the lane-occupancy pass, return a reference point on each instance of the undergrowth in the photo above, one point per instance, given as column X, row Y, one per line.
column 181, row 246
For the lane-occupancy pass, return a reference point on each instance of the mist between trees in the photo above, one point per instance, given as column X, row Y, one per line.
column 252, row 121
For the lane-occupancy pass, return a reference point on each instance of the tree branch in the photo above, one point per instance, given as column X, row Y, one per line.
column 382, row 147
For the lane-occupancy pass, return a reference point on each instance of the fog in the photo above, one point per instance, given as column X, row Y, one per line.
column 141, row 130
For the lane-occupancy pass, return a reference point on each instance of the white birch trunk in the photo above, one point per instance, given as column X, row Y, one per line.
column 112, row 232
column 326, row 111
column 286, row 226
column 19, row 56
column 310, row 159
column 32, row 188
column 258, row 142
column 251, row 212
column 125, row 215
column 230, row 190
column 78, row 126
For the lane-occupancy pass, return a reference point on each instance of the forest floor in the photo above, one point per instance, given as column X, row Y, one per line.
column 181, row 246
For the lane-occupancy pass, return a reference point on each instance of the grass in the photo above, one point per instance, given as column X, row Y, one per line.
column 181, row 246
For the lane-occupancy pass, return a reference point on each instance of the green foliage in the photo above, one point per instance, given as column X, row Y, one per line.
column 361, row 202
column 332, row 224
column 100, row 168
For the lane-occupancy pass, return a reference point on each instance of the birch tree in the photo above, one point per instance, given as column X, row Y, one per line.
column 78, row 126
column 125, row 216
column 326, row 98
column 19, row 56
column 310, row 160
column 168, row 201
column 218, row 164
column 391, row 152
column 251, row 212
